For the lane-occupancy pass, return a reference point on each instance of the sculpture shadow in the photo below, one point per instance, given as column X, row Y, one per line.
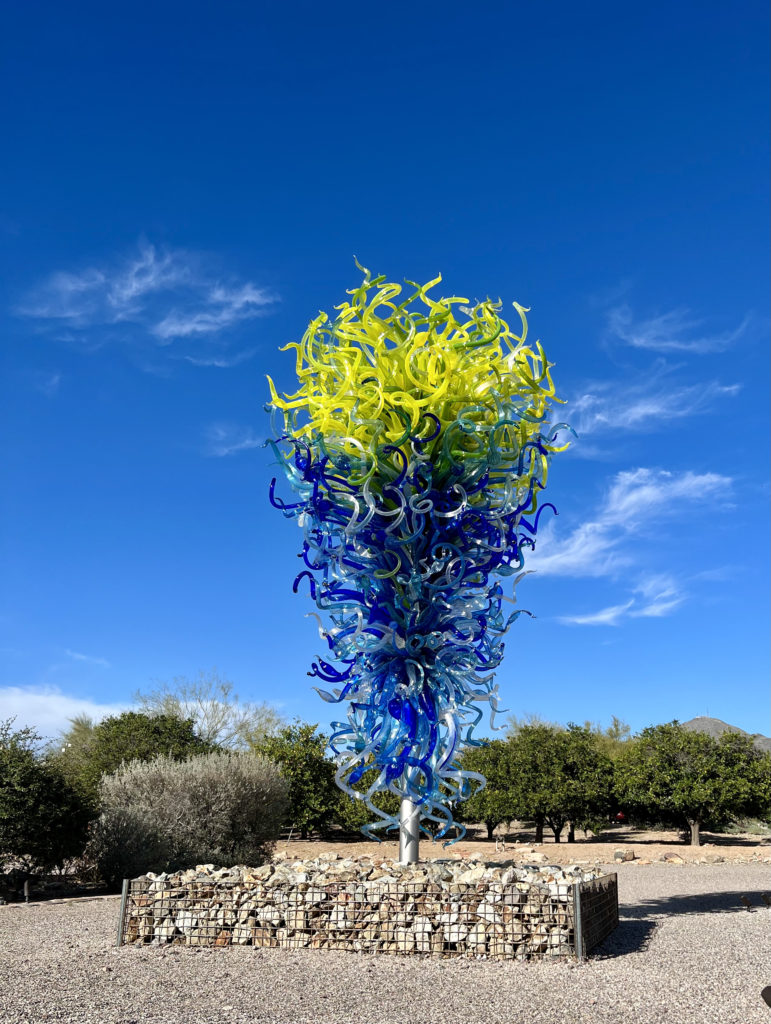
column 726, row 902
column 639, row 921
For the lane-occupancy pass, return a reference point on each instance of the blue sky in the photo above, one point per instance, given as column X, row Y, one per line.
column 185, row 186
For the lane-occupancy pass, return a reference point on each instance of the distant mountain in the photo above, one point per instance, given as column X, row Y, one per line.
column 714, row 727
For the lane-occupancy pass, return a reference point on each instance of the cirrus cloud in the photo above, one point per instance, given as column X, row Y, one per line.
column 159, row 297
column 674, row 331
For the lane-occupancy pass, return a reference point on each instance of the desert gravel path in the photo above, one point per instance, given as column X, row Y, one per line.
column 686, row 951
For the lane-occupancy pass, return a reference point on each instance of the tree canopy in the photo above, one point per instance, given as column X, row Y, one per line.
column 300, row 751
column 219, row 715
column 496, row 802
column 693, row 780
column 43, row 821
column 88, row 751
column 560, row 775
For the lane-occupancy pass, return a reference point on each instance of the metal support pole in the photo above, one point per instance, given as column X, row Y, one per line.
column 578, row 931
column 122, row 918
column 409, row 832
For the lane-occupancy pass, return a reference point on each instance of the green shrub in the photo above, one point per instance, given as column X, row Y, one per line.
column 43, row 821
column 163, row 815
column 301, row 754
column 88, row 751
column 746, row 826
column 352, row 815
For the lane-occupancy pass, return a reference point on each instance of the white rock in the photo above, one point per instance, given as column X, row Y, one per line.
column 477, row 938
column 186, row 921
column 339, row 919
column 455, row 932
column 487, row 912
column 448, row 917
column 166, row 930
column 269, row 914
column 242, row 932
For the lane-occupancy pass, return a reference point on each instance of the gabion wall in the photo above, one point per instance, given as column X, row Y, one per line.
column 515, row 920
column 597, row 911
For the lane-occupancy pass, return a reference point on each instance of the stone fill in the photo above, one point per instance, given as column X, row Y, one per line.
column 518, row 911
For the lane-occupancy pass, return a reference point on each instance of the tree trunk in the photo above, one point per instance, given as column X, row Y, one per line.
column 490, row 829
column 539, row 819
column 557, row 832
column 571, row 833
column 695, row 837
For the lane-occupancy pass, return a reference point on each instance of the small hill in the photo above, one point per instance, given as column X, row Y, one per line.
column 714, row 727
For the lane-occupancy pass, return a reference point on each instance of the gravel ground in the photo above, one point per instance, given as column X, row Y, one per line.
column 686, row 950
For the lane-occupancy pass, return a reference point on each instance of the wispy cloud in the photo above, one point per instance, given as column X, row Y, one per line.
column 643, row 406
column 159, row 296
column 657, row 597
column 222, row 361
column 600, row 546
column 675, row 331
column 48, row 709
column 605, row 617
column 591, row 550
column 88, row 658
column 654, row 597
column 227, row 439
column 224, row 307
column 48, row 383
column 637, row 493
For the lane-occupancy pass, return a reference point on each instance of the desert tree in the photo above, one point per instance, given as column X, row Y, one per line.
column 43, row 819
column 494, row 803
column 219, row 715
column 301, row 754
column 693, row 780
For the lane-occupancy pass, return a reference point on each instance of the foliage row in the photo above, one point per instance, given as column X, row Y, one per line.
column 666, row 775
column 146, row 791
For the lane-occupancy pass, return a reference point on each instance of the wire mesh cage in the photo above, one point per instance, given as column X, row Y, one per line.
column 513, row 920
column 597, row 912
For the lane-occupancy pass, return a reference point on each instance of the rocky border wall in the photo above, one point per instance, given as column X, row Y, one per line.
column 514, row 919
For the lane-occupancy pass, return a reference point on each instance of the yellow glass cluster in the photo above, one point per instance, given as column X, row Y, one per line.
column 369, row 377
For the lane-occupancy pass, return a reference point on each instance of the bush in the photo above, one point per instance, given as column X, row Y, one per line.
column 43, row 821
column 352, row 815
column 746, row 826
column 163, row 815
column 301, row 754
column 90, row 751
